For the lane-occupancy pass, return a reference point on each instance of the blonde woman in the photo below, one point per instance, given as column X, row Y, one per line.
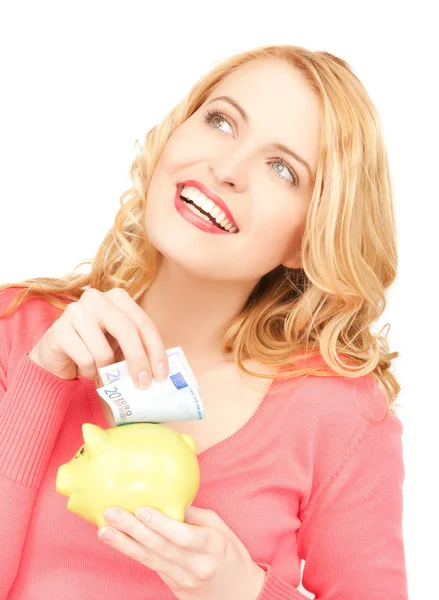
column 259, row 235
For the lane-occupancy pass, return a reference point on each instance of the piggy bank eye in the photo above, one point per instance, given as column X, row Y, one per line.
column 80, row 452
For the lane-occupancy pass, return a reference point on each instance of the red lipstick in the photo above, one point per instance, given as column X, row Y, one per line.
column 216, row 199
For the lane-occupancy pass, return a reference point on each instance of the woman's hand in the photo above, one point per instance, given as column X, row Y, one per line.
column 200, row 559
column 95, row 331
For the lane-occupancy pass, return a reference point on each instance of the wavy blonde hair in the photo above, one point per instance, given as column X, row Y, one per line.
column 349, row 254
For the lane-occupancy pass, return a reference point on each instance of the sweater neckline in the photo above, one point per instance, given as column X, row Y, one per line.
column 230, row 441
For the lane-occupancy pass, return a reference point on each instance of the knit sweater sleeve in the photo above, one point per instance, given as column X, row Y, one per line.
column 351, row 536
column 276, row 589
column 351, row 533
column 32, row 406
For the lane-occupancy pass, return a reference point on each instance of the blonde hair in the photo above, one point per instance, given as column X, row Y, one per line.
column 349, row 254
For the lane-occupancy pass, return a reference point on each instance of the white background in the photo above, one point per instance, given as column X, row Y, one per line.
column 80, row 81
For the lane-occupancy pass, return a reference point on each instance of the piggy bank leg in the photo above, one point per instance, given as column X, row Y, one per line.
column 76, row 505
column 175, row 512
column 100, row 521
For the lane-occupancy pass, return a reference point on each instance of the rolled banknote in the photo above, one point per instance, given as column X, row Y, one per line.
column 176, row 398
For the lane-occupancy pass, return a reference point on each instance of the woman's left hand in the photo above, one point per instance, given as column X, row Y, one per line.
column 198, row 559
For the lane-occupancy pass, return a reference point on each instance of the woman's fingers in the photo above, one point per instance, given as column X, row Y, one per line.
column 148, row 332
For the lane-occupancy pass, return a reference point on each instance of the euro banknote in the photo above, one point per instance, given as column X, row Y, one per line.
column 176, row 398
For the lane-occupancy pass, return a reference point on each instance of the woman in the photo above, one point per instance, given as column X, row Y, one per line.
column 300, row 452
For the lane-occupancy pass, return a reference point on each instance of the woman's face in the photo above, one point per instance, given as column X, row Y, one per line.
column 266, row 189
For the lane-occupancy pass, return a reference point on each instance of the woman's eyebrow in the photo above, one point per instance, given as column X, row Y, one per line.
column 277, row 146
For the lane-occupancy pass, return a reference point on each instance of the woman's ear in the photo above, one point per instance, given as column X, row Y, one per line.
column 295, row 261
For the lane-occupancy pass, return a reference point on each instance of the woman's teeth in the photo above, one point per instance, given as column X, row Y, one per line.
column 198, row 212
column 207, row 207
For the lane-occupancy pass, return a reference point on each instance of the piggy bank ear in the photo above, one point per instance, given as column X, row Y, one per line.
column 95, row 438
column 188, row 440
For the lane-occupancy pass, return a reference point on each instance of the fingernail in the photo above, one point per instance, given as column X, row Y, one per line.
column 144, row 380
column 161, row 370
column 112, row 515
column 106, row 534
column 143, row 514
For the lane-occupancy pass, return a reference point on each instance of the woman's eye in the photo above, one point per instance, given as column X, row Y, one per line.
column 289, row 170
column 212, row 115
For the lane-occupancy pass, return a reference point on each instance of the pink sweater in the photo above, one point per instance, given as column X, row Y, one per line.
column 307, row 477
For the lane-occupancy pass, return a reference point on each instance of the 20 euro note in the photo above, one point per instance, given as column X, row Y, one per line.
column 176, row 398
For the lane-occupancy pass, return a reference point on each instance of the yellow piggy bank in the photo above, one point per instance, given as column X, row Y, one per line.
column 139, row 464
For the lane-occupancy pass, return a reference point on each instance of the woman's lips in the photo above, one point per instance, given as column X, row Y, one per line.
column 190, row 216
column 209, row 194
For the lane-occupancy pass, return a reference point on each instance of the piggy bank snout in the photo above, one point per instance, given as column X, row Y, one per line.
column 64, row 481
